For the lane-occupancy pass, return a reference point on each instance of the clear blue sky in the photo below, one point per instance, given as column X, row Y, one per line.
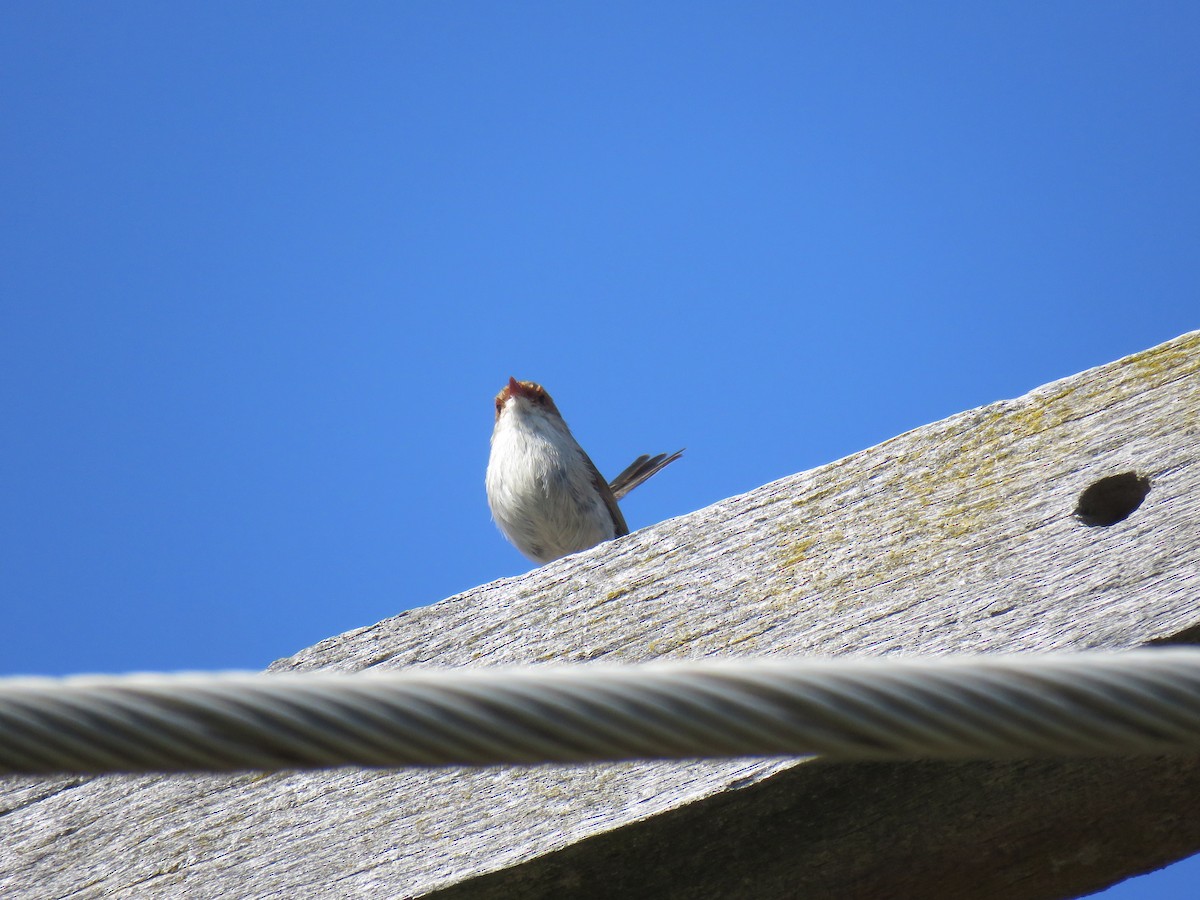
column 264, row 265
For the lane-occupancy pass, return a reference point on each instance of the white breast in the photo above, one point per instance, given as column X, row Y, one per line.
column 540, row 489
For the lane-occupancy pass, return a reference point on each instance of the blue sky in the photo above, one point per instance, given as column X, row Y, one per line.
column 263, row 267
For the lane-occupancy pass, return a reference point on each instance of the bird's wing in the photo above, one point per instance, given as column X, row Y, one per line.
column 620, row 529
column 638, row 471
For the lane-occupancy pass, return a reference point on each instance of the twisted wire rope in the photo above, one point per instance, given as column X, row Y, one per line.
column 982, row 707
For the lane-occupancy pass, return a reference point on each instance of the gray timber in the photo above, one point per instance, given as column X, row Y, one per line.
column 960, row 536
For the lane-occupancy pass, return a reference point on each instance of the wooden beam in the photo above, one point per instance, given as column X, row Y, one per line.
column 963, row 535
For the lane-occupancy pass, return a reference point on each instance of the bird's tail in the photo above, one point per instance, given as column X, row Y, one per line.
column 639, row 470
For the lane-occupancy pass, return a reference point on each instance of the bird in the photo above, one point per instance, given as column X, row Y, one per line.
column 546, row 495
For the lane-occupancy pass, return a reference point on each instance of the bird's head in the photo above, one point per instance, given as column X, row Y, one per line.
column 526, row 395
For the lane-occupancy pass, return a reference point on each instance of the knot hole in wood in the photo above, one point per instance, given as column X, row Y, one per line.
column 1113, row 499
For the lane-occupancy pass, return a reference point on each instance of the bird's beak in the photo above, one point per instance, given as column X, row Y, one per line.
column 517, row 389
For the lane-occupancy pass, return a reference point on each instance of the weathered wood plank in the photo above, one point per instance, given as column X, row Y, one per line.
column 958, row 536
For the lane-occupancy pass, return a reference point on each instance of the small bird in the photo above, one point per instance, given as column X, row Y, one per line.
column 546, row 495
